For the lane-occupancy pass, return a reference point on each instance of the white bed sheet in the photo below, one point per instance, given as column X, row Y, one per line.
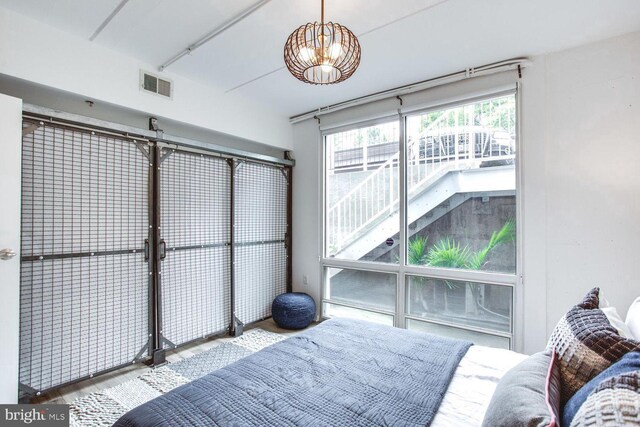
column 472, row 386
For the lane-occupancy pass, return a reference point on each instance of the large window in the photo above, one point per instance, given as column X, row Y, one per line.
column 461, row 186
column 362, row 191
column 421, row 218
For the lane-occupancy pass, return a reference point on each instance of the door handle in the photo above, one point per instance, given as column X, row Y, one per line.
column 6, row 254
column 146, row 249
column 163, row 252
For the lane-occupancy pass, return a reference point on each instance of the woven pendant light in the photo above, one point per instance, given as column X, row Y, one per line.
column 322, row 53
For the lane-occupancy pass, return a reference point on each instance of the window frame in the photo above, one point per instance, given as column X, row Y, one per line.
column 402, row 269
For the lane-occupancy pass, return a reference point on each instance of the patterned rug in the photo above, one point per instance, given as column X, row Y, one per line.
column 103, row 408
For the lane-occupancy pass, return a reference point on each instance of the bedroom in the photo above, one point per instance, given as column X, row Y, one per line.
column 551, row 88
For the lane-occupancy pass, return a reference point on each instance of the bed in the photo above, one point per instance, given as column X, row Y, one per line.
column 341, row 373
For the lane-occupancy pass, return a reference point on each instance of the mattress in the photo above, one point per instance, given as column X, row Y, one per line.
column 341, row 373
column 473, row 384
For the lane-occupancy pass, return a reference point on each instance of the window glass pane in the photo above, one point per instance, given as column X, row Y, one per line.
column 361, row 288
column 361, row 207
column 334, row 310
column 476, row 337
column 467, row 304
column 461, row 186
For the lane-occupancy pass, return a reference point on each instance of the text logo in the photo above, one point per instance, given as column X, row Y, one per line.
column 34, row 415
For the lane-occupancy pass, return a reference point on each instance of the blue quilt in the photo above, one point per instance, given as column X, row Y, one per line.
column 340, row 373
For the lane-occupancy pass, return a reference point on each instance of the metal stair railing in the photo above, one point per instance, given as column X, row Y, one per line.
column 366, row 202
column 376, row 197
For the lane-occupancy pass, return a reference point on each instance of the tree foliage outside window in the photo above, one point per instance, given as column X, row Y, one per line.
column 497, row 113
column 357, row 138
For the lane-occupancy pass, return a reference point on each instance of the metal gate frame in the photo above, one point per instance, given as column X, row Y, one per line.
column 33, row 123
column 153, row 352
column 237, row 325
column 162, row 342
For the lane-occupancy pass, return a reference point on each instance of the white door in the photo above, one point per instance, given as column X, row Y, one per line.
column 10, row 161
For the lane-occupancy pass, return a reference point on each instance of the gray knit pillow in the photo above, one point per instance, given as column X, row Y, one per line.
column 528, row 395
column 614, row 403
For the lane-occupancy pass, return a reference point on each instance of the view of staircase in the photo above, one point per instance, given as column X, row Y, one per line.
column 446, row 193
column 443, row 171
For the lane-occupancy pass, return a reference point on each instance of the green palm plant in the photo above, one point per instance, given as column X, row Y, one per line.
column 506, row 234
column 417, row 255
column 448, row 253
column 417, row 251
column 478, row 260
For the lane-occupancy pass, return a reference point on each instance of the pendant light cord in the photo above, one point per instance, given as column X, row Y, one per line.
column 322, row 31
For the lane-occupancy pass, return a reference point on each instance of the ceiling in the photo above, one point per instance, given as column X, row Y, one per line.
column 403, row 41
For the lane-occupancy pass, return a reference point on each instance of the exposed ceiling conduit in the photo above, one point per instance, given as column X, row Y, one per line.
column 106, row 21
column 219, row 30
column 497, row 67
column 402, row 18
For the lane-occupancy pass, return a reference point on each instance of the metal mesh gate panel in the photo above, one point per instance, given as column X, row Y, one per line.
column 260, row 239
column 127, row 249
column 195, row 197
column 84, row 279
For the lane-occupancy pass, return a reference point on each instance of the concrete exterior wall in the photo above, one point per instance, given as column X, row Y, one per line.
column 482, row 217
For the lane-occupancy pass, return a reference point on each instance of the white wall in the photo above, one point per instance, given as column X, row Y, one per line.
column 584, row 159
column 55, row 99
column 41, row 54
column 581, row 186
column 10, row 147
column 306, row 209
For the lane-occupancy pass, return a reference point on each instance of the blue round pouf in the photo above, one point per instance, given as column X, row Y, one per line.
column 295, row 310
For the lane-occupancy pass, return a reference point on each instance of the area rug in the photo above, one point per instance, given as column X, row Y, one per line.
column 103, row 408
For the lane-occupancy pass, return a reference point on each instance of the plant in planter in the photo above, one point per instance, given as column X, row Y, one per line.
column 417, row 255
column 506, row 234
column 448, row 253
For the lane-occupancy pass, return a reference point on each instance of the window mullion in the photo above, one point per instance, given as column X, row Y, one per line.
column 402, row 210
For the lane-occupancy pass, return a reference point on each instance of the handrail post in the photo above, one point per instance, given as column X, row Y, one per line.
column 391, row 188
column 365, row 157
column 339, row 226
column 456, row 145
column 472, row 141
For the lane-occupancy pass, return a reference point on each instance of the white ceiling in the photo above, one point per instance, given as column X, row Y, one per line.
column 403, row 41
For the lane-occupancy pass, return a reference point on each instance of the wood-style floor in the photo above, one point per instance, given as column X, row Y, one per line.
column 74, row 391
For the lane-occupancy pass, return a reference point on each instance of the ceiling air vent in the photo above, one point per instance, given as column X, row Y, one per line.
column 154, row 84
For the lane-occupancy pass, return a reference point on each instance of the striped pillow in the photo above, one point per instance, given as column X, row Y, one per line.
column 615, row 402
column 586, row 344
